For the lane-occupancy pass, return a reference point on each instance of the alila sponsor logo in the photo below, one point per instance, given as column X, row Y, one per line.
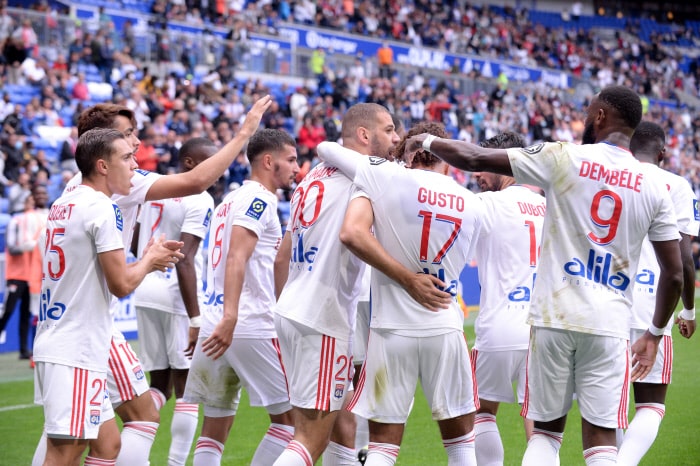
column 522, row 293
column 451, row 285
column 598, row 269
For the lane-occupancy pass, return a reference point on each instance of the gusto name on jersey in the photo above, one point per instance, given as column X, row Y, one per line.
column 60, row 211
column 599, row 270
column 446, row 200
column 613, row 177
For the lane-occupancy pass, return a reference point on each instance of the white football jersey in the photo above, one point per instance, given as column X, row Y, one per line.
column 141, row 182
column 601, row 203
column 75, row 324
column 646, row 281
column 252, row 207
column 428, row 223
column 324, row 276
column 171, row 217
column 506, row 254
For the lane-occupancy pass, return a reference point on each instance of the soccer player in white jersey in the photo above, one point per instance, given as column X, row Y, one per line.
column 167, row 304
column 238, row 345
column 424, row 229
column 315, row 313
column 84, row 261
column 127, row 384
column 601, row 204
column 506, row 254
column 648, row 146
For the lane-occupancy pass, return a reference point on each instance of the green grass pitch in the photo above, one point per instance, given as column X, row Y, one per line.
column 21, row 422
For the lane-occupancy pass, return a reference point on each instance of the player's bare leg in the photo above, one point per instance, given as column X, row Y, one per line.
column 107, row 445
column 384, row 443
column 141, row 421
column 545, row 442
column 210, row 445
column 64, row 452
column 599, row 444
column 341, row 449
column 458, row 439
column 649, row 400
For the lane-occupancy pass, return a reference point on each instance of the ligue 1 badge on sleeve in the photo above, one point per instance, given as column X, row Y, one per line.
column 533, row 149
column 257, row 207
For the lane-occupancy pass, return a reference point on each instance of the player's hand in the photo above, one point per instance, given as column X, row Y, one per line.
column 220, row 339
column 643, row 355
column 163, row 254
column 685, row 327
column 413, row 145
column 424, row 289
column 252, row 119
column 191, row 341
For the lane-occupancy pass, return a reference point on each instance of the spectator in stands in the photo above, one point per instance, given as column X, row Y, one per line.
column 18, row 192
column 13, row 56
column 29, row 40
column 7, row 24
column 385, row 59
column 80, row 88
column 67, row 155
column 6, row 106
column 146, row 155
column 311, row 134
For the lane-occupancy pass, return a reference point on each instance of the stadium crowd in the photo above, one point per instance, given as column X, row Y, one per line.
column 170, row 110
column 220, row 112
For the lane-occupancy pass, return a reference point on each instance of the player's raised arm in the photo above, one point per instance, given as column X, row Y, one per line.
column 345, row 159
column 206, row 173
column 460, row 154
column 356, row 234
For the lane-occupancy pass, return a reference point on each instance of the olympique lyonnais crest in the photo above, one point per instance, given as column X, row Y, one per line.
column 339, row 389
column 95, row 417
column 138, row 372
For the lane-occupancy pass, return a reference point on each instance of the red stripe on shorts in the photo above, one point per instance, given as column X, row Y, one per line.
column 77, row 420
column 667, row 360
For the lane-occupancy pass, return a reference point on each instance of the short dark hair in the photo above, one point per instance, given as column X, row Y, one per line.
column 504, row 140
column 422, row 157
column 193, row 148
column 625, row 102
column 268, row 140
column 95, row 144
column 358, row 115
column 648, row 137
column 103, row 116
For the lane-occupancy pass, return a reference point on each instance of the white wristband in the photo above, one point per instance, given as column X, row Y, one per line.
column 687, row 314
column 427, row 141
column 196, row 321
column 656, row 331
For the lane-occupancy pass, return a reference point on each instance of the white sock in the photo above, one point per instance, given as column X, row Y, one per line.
column 361, row 433
column 40, row 452
column 90, row 461
column 158, row 398
column 339, row 455
column 382, row 454
column 272, row 444
column 208, row 452
column 488, row 444
column 641, row 433
column 460, row 450
column 543, row 448
column 182, row 429
column 295, row 454
column 619, row 436
column 137, row 440
column 600, row 456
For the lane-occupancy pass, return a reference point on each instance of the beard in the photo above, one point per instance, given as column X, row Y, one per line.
column 588, row 134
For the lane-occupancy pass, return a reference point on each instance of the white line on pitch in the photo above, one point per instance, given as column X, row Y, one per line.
column 16, row 407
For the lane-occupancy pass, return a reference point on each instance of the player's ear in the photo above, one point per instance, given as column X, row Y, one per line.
column 362, row 134
column 101, row 166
